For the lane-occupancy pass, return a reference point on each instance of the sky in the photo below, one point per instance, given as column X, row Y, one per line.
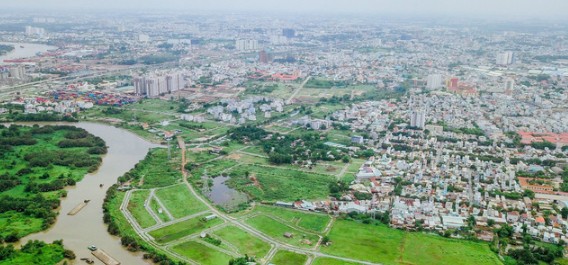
column 498, row 8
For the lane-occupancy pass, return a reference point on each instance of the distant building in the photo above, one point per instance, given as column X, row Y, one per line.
column 246, row 45
column 33, row 31
column 143, row 38
column 434, row 81
column 357, row 139
column 418, row 119
column 453, row 83
column 17, row 72
column 510, row 84
column 289, row 33
column 153, row 86
column 505, row 58
column 263, row 57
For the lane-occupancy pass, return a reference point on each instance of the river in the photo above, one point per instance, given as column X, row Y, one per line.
column 28, row 50
column 87, row 227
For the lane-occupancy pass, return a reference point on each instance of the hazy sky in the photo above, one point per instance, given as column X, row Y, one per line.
column 530, row 8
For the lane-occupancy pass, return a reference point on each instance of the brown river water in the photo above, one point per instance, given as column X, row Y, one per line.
column 86, row 227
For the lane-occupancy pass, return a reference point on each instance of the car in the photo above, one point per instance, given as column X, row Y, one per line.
column 92, row 248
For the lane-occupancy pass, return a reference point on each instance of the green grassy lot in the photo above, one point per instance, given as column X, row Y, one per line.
column 279, row 184
column 179, row 201
column 306, row 220
column 430, row 249
column 199, row 157
column 389, row 246
column 136, row 207
column 328, row 261
column 157, row 170
column 245, row 242
column 155, row 207
column 276, row 230
column 182, row 229
column 201, row 253
column 371, row 243
column 284, row 257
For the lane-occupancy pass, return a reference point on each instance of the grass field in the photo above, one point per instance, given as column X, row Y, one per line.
column 371, row 243
column 136, row 207
column 245, row 242
column 201, row 253
column 157, row 170
column 179, row 201
column 328, row 261
column 389, row 246
column 276, row 230
column 182, row 229
column 279, row 184
column 431, row 249
column 284, row 257
column 155, row 207
column 310, row 221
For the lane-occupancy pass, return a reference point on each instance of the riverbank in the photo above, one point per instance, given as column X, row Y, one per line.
column 87, row 228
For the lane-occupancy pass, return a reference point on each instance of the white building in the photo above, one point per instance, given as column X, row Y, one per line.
column 33, row 31
column 434, row 81
column 505, row 58
column 246, row 45
column 418, row 119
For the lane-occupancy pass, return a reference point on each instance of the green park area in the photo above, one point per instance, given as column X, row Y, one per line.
column 284, row 257
column 179, row 201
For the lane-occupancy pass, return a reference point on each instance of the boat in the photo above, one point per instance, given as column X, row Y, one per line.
column 88, row 260
column 86, row 201
column 21, row 46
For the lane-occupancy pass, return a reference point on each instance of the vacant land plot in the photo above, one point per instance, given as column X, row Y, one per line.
column 136, row 207
column 156, row 208
column 245, row 242
column 389, row 246
column 306, row 220
column 365, row 242
column 201, row 253
column 279, row 184
column 157, row 170
column 276, row 230
column 179, row 201
column 182, row 229
column 431, row 249
column 328, row 261
column 284, row 257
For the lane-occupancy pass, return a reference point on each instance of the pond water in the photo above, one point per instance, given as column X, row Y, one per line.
column 224, row 196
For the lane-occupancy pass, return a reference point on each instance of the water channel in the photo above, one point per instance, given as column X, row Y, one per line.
column 86, row 227
column 24, row 50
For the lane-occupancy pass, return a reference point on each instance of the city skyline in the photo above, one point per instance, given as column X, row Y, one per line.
column 548, row 9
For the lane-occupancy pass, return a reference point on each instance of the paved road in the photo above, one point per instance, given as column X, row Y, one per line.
column 152, row 194
column 149, row 209
column 229, row 220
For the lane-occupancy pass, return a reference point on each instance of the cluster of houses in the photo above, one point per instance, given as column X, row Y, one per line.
column 240, row 111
